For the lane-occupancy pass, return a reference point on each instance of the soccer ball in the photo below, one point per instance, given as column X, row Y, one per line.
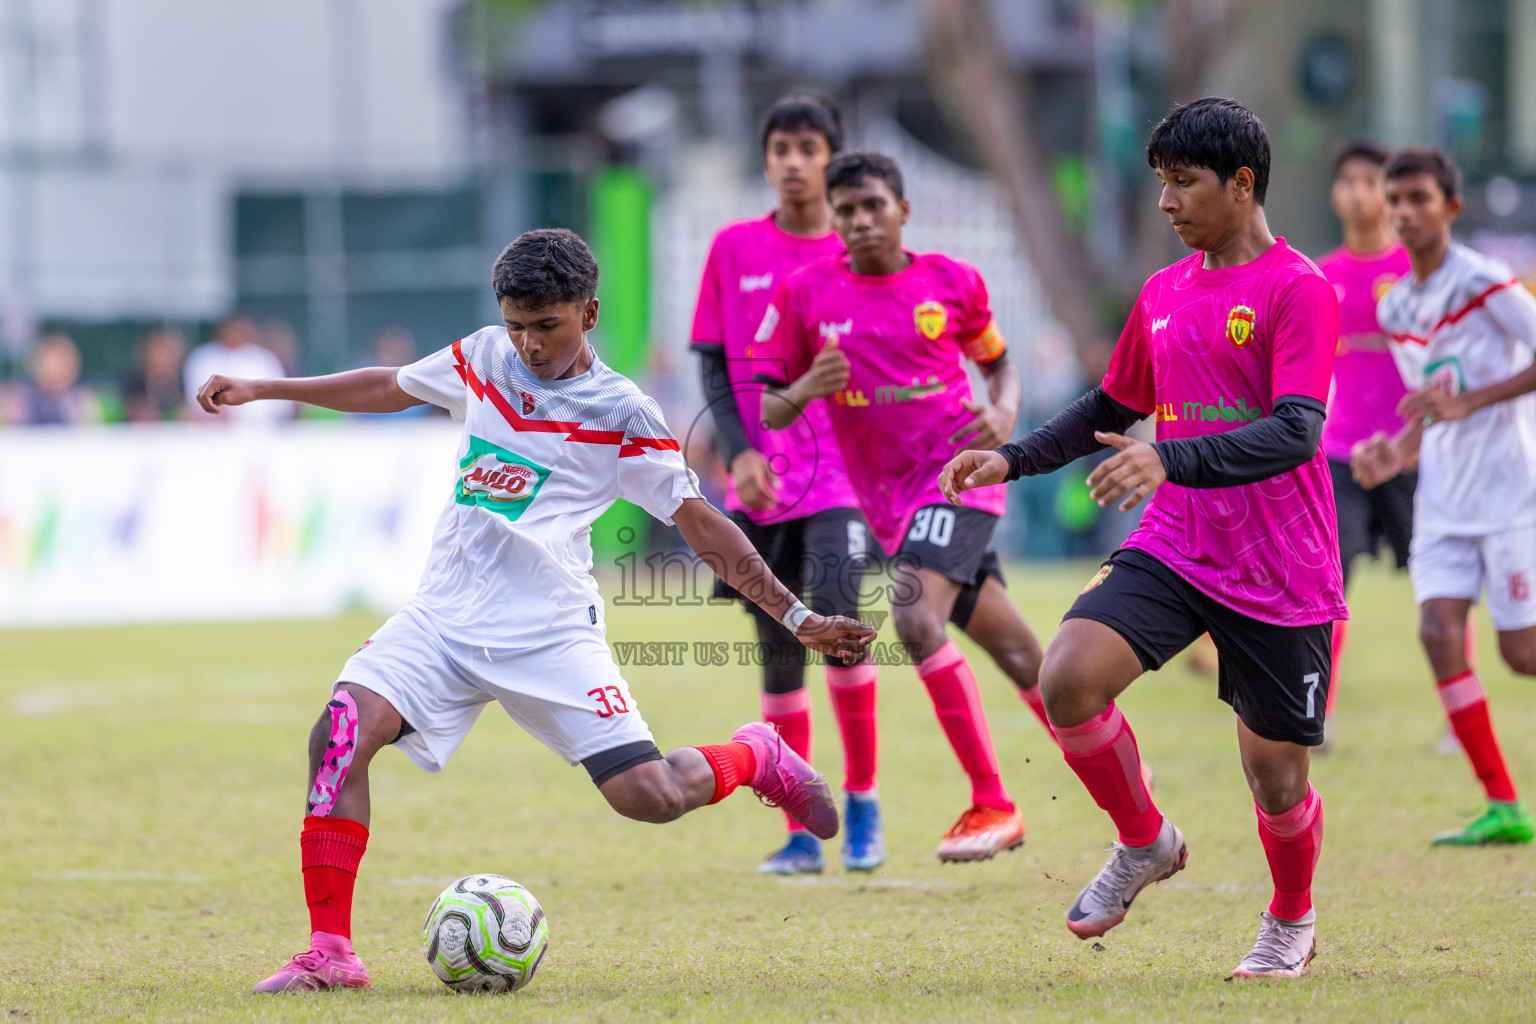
column 485, row 933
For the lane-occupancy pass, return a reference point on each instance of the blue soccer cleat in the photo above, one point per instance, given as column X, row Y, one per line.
column 863, row 839
column 800, row 856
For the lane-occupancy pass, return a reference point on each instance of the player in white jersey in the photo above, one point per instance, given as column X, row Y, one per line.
column 1463, row 333
column 508, row 609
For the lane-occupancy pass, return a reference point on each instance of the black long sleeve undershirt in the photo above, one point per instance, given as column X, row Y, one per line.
column 730, row 435
column 1067, row 436
column 1267, row 447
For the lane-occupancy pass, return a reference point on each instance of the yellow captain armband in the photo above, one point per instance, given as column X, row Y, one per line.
column 986, row 346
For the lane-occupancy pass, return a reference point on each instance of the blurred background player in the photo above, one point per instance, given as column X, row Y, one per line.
column 885, row 333
column 788, row 490
column 1232, row 349
column 534, row 470
column 1366, row 385
column 1463, row 331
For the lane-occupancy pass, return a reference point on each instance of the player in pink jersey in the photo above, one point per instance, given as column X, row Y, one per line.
column 883, row 334
column 1366, row 384
column 1231, row 349
column 788, row 490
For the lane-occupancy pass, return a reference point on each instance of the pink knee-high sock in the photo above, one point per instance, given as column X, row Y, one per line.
column 1292, row 841
column 1467, row 707
column 1340, row 638
column 790, row 713
column 957, row 701
column 853, row 699
column 1031, row 697
column 1102, row 751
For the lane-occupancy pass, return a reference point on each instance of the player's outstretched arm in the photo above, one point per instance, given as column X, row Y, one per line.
column 373, row 389
column 726, row 549
column 828, row 373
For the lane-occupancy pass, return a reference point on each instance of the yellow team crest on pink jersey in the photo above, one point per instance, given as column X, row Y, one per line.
column 1240, row 325
column 1382, row 285
column 931, row 318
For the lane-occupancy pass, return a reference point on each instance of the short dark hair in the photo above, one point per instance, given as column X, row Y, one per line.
column 1216, row 133
column 1427, row 160
column 546, row 267
column 854, row 166
column 1360, row 149
column 818, row 113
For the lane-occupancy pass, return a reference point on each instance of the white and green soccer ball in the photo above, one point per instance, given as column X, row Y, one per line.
column 485, row 933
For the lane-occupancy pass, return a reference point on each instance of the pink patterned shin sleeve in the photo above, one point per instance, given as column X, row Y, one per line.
column 338, row 754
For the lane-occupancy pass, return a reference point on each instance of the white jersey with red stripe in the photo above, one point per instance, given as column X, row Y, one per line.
column 538, row 462
column 1466, row 326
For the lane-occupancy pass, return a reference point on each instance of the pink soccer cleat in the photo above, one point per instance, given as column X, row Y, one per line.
column 784, row 780
column 328, row 963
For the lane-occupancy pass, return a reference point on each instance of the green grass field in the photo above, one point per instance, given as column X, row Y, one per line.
column 152, row 788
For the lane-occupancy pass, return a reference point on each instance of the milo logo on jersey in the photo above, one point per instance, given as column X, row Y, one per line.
column 497, row 480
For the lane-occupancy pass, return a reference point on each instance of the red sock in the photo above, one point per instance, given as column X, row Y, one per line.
column 1467, row 707
column 853, row 699
column 733, row 763
column 1103, row 753
column 790, row 713
column 1340, row 638
column 331, row 849
column 1031, row 697
column 957, row 701
column 1292, row 841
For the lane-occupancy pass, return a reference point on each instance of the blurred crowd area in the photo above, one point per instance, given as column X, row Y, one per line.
column 46, row 387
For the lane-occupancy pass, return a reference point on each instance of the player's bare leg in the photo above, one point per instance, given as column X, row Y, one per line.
column 355, row 725
column 662, row 791
column 1442, row 631
column 1290, row 817
column 992, row 823
column 1087, row 666
column 1002, row 632
column 687, row 778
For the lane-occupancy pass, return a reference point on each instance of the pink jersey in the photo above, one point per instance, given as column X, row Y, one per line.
column 907, row 336
column 1366, row 384
column 1211, row 350
column 746, row 262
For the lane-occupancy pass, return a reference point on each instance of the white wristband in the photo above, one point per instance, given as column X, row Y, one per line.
column 795, row 617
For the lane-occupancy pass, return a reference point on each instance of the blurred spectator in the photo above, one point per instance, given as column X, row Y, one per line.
column 396, row 346
column 279, row 339
column 52, row 395
column 152, row 389
column 236, row 351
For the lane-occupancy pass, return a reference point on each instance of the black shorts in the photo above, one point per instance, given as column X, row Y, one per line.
column 1275, row 677
column 1366, row 518
column 956, row 543
column 821, row 558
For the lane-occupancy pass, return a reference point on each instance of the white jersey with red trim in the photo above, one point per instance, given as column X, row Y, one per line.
column 538, row 462
column 1466, row 326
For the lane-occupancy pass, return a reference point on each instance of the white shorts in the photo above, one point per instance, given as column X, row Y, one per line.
column 1459, row 566
column 566, row 691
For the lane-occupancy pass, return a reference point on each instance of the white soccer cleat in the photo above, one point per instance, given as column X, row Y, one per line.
column 1103, row 903
column 1284, row 948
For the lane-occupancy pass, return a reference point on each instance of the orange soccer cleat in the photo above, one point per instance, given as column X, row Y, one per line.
column 981, row 833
